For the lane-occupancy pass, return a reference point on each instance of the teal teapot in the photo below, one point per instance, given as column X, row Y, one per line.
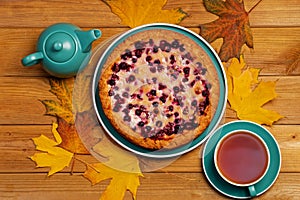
column 63, row 49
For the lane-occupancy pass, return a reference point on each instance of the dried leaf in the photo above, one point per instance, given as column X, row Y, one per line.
column 136, row 12
column 114, row 154
column 120, row 181
column 119, row 165
column 82, row 100
column 232, row 25
column 86, row 123
column 54, row 108
column 70, row 138
column 53, row 156
column 246, row 95
column 62, row 89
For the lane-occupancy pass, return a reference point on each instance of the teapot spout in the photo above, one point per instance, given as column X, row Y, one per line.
column 86, row 38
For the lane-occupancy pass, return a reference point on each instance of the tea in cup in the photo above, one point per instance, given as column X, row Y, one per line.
column 242, row 159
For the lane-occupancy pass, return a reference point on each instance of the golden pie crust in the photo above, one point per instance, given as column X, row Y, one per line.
column 159, row 89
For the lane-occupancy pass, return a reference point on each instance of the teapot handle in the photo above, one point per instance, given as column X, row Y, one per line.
column 32, row 59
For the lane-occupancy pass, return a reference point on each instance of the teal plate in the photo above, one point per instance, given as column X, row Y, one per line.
column 216, row 180
column 161, row 153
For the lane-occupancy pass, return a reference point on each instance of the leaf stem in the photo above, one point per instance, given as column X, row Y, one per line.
column 73, row 164
column 254, row 6
column 87, row 164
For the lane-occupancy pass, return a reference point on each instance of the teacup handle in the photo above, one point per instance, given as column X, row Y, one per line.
column 252, row 191
column 32, row 59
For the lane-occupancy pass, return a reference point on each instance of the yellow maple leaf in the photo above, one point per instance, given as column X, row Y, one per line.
column 120, row 181
column 53, row 156
column 247, row 95
column 136, row 12
column 123, row 175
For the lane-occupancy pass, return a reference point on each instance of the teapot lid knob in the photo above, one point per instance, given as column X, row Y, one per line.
column 58, row 46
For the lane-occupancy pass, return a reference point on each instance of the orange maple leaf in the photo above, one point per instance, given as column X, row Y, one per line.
column 232, row 25
column 70, row 138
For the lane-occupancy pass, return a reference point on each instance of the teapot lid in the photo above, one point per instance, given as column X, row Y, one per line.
column 60, row 47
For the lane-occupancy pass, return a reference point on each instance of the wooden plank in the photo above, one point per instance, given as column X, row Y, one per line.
column 26, row 92
column 16, row 147
column 17, row 96
column 275, row 50
column 276, row 30
column 95, row 13
column 153, row 186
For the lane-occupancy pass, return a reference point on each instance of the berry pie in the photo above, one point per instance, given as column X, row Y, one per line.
column 159, row 89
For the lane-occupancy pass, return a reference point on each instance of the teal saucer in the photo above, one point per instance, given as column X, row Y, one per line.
column 216, row 180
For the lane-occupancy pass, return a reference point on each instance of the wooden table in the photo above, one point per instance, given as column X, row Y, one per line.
column 276, row 30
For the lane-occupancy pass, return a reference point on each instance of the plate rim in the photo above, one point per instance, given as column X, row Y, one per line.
column 157, row 26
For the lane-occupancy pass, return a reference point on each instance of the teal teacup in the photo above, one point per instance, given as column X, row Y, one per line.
column 242, row 159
